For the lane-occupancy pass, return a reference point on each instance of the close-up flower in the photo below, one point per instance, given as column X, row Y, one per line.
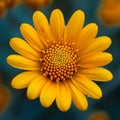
column 61, row 62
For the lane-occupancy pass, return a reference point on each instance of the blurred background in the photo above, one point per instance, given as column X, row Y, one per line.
column 14, row 104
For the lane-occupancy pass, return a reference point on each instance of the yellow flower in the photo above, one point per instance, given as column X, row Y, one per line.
column 61, row 61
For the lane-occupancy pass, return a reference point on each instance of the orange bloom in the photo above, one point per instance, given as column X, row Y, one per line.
column 61, row 61
column 109, row 12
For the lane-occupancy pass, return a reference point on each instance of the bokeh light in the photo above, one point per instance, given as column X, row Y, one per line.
column 99, row 115
column 109, row 12
column 6, row 4
column 36, row 4
column 2, row 7
column 5, row 96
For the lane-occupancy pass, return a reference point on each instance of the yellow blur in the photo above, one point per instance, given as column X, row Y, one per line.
column 109, row 12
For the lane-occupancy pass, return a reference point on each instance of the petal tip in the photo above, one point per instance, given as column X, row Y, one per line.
column 84, row 108
column 12, row 41
column 14, row 85
column 94, row 25
column 64, row 109
column 30, row 96
column 108, row 39
column 80, row 13
column 99, row 95
column 23, row 25
column 37, row 14
column 56, row 10
column 43, row 103
column 111, row 57
column 8, row 59
column 110, row 76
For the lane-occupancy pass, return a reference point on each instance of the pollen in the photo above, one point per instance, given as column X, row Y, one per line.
column 59, row 62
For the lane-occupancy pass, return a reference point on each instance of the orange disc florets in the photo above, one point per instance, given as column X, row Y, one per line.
column 59, row 62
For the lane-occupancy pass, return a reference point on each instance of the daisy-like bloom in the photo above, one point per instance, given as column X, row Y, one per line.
column 36, row 4
column 61, row 61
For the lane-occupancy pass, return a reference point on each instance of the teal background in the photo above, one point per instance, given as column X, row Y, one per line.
column 20, row 108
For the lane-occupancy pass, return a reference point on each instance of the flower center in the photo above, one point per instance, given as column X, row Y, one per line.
column 59, row 62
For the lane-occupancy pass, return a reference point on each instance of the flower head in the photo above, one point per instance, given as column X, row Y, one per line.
column 61, row 61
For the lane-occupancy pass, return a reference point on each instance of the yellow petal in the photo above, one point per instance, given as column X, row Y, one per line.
column 79, row 99
column 57, row 24
column 48, row 93
column 74, row 26
column 100, row 44
column 87, row 86
column 93, row 60
column 31, row 36
column 35, row 86
column 86, row 37
column 21, row 62
column 97, row 74
column 42, row 27
column 22, row 80
column 24, row 49
column 63, row 98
